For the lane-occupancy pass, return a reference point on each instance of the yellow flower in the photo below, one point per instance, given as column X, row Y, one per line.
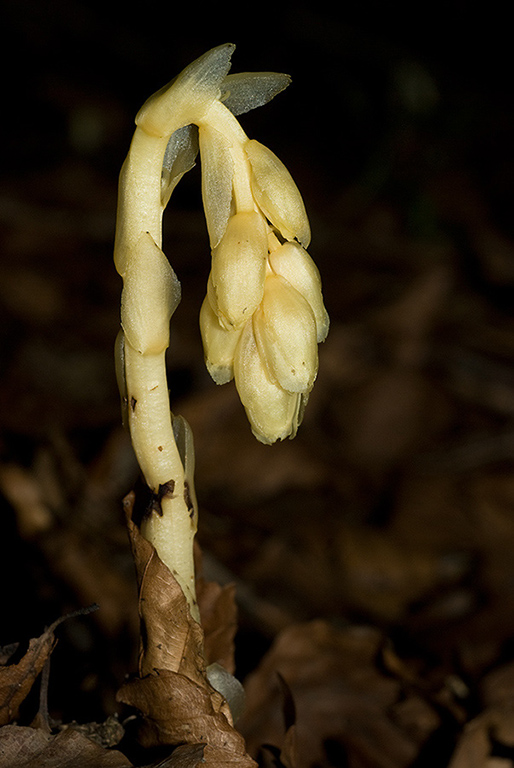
column 293, row 263
column 239, row 269
column 219, row 345
column 276, row 193
column 273, row 413
column 285, row 332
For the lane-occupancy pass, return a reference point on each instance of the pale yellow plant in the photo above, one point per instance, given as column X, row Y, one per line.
column 263, row 315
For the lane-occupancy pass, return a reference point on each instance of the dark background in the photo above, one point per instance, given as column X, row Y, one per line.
column 393, row 507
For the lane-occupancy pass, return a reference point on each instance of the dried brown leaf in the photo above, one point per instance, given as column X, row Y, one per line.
column 340, row 696
column 178, row 710
column 23, row 747
column 218, row 611
column 475, row 746
column 185, row 756
column 16, row 680
column 289, row 751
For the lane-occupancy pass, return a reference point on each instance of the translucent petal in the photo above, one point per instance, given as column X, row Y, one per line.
column 276, row 193
column 183, row 435
column 272, row 412
column 188, row 96
column 151, row 293
column 217, row 176
column 229, row 687
column 285, row 331
column 219, row 345
column 248, row 90
column 293, row 263
column 179, row 158
column 239, row 268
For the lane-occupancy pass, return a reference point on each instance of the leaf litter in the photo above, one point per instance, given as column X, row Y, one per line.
column 371, row 558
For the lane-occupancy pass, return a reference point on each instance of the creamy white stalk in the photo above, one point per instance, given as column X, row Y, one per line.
column 172, row 525
column 150, row 295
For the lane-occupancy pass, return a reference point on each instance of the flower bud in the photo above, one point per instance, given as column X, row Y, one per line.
column 219, row 345
column 285, row 331
column 276, row 193
column 239, row 269
column 293, row 263
column 273, row 413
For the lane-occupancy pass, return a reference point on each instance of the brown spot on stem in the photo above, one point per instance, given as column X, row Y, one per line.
column 166, row 490
column 155, row 506
column 188, row 500
column 133, row 402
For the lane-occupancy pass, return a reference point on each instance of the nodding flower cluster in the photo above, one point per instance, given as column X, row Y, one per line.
column 263, row 315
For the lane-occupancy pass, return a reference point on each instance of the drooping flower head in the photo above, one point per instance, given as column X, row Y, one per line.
column 263, row 315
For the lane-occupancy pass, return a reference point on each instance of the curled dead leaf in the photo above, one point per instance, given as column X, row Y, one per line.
column 177, row 703
column 177, row 710
column 16, row 680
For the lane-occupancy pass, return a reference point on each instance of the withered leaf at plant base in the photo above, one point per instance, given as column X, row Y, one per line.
column 178, row 710
column 24, row 747
column 170, row 638
column 177, row 702
column 16, row 680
